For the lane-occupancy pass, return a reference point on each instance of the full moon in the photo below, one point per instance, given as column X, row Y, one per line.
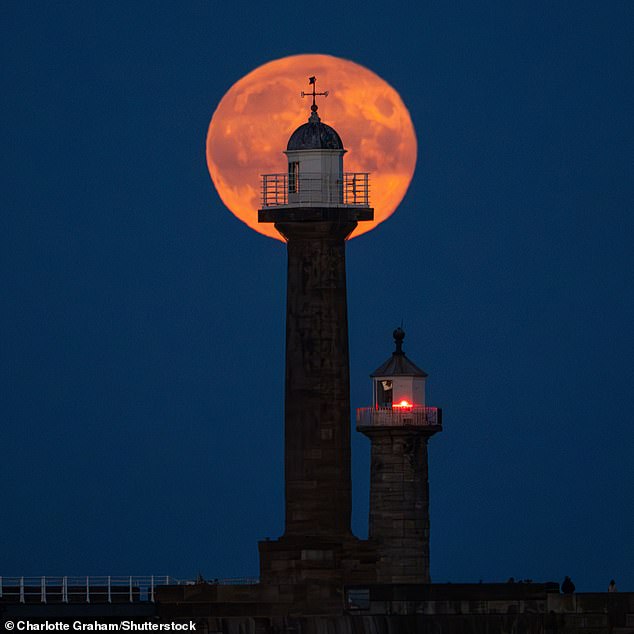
column 251, row 126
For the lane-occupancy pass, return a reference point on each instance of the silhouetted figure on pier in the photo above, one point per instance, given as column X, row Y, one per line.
column 567, row 587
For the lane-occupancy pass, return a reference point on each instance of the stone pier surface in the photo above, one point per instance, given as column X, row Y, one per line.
column 503, row 608
column 520, row 608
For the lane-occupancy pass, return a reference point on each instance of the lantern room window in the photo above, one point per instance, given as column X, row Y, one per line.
column 384, row 393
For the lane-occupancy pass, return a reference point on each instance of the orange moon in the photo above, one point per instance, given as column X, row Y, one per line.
column 254, row 120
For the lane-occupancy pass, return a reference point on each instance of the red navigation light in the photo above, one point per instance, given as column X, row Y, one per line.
column 402, row 405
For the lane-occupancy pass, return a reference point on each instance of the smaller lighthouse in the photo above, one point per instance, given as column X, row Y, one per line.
column 399, row 425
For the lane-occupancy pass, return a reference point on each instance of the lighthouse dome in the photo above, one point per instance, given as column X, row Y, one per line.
column 315, row 135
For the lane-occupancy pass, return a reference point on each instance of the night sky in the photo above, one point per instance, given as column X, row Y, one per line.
column 142, row 325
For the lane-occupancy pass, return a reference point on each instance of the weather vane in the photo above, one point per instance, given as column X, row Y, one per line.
column 313, row 82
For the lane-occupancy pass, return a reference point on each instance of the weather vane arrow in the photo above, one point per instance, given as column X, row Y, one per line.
column 313, row 82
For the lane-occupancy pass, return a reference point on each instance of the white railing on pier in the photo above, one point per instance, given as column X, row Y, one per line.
column 313, row 188
column 97, row 589
column 399, row 416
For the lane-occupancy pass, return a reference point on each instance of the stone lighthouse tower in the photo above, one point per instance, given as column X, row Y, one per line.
column 315, row 206
column 399, row 425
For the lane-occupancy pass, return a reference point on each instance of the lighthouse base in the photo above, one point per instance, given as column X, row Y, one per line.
column 315, row 569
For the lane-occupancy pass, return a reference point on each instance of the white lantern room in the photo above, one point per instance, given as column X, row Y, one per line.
column 398, row 383
column 315, row 164
column 315, row 176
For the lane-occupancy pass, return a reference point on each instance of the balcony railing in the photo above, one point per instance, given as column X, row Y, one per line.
column 314, row 189
column 416, row 416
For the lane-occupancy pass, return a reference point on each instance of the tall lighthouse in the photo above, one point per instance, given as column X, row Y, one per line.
column 315, row 205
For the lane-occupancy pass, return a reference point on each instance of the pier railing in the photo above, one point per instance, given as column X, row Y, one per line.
column 399, row 416
column 303, row 189
column 89, row 589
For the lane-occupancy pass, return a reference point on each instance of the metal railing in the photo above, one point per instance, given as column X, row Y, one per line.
column 305, row 189
column 89, row 589
column 399, row 416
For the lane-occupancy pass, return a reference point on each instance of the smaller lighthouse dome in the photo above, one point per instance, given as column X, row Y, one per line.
column 315, row 135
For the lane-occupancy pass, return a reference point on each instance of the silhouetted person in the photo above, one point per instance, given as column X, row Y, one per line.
column 612, row 587
column 567, row 587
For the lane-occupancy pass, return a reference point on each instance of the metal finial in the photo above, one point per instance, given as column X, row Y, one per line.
column 399, row 335
column 313, row 82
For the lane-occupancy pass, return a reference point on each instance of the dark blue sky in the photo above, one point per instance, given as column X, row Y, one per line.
column 142, row 325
